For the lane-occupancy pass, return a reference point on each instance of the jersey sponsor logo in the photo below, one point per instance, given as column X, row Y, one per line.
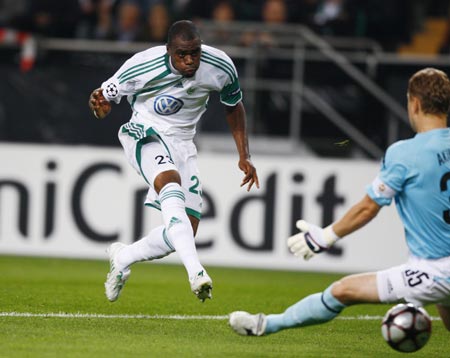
column 167, row 105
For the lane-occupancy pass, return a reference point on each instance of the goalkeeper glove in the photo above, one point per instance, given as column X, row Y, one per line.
column 311, row 240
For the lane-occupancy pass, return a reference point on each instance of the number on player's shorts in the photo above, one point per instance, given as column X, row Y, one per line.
column 164, row 160
column 415, row 277
column 193, row 188
column 444, row 180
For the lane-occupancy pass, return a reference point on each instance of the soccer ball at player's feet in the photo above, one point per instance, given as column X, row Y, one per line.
column 406, row 328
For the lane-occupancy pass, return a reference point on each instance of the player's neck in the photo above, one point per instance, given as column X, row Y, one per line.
column 429, row 122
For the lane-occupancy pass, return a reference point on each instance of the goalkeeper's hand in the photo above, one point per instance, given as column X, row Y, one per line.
column 311, row 240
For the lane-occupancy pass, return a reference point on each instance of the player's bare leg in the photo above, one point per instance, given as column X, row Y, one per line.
column 358, row 288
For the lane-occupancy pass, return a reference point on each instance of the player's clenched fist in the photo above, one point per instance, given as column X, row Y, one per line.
column 98, row 104
column 311, row 240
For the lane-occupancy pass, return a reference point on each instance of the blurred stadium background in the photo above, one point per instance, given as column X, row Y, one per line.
column 314, row 72
column 324, row 85
column 311, row 70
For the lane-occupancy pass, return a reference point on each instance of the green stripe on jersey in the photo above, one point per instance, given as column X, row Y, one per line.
column 140, row 65
column 231, row 94
column 141, row 71
column 162, row 75
column 154, row 89
column 218, row 66
column 220, row 60
column 220, row 63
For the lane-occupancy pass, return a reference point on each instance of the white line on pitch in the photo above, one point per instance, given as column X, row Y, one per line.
column 169, row 317
column 95, row 315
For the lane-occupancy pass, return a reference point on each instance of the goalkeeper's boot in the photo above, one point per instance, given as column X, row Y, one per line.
column 115, row 279
column 201, row 285
column 247, row 324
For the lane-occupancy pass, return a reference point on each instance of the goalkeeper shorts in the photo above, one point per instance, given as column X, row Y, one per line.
column 419, row 281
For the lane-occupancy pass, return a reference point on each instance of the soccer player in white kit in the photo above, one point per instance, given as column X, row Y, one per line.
column 168, row 88
column 416, row 174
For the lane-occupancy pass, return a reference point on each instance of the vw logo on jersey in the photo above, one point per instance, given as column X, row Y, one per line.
column 167, row 105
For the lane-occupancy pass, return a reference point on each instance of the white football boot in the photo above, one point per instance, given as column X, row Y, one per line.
column 201, row 285
column 115, row 279
column 247, row 324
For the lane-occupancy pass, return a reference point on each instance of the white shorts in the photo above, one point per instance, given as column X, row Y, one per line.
column 151, row 153
column 419, row 281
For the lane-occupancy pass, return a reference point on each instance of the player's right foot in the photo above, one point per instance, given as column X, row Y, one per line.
column 201, row 285
column 247, row 324
column 115, row 279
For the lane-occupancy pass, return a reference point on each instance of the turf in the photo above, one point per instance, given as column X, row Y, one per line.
column 159, row 292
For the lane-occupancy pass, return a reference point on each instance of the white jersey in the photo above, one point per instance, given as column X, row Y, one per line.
column 162, row 99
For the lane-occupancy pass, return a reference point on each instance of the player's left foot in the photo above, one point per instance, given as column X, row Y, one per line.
column 247, row 324
column 201, row 285
column 115, row 280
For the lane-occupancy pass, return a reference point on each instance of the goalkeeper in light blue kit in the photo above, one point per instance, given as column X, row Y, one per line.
column 416, row 174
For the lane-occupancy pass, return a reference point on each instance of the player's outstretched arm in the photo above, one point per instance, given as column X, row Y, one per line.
column 357, row 216
column 313, row 239
column 236, row 119
column 98, row 104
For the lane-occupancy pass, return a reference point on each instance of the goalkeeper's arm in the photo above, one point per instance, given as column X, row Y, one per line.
column 313, row 239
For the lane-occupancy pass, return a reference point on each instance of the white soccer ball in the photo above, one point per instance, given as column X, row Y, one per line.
column 406, row 328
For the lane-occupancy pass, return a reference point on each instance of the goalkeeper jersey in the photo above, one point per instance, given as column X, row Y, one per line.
column 161, row 98
column 418, row 172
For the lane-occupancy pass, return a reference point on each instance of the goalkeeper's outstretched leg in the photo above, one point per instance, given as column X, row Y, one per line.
column 313, row 309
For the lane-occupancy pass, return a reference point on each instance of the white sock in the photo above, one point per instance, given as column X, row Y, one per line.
column 153, row 246
column 178, row 227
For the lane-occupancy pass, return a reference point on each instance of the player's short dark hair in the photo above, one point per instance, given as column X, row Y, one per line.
column 184, row 29
column 432, row 88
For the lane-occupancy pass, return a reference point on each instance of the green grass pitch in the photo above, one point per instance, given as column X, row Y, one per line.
column 158, row 316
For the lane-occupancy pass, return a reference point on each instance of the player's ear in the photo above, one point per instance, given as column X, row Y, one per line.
column 416, row 104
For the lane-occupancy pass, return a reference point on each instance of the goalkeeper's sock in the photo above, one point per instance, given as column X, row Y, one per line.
column 153, row 246
column 178, row 227
column 313, row 309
